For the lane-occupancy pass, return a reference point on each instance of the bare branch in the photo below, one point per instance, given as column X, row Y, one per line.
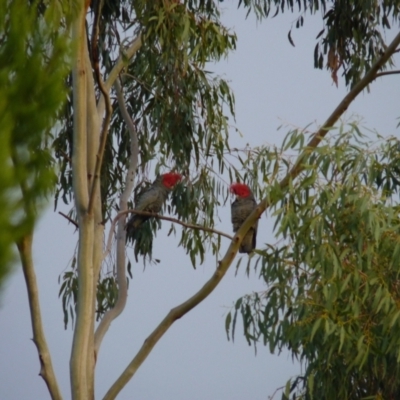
column 185, row 224
column 174, row 220
column 46, row 367
column 179, row 311
column 127, row 54
column 387, row 73
column 123, row 205
column 69, row 219
column 93, row 142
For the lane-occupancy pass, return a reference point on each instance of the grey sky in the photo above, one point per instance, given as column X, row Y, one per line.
column 274, row 83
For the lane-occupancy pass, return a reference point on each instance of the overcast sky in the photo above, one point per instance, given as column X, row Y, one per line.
column 274, row 83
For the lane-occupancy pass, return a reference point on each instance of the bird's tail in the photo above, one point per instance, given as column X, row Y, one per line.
column 132, row 225
column 249, row 242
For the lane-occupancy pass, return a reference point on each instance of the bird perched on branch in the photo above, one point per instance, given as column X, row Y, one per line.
column 152, row 199
column 241, row 208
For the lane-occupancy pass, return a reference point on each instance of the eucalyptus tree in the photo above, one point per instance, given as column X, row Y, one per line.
column 141, row 101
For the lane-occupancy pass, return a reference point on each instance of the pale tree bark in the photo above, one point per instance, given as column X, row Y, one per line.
column 121, row 62
column 179, row 311
column 121, row 232
column 93, row 143
column 81, row 346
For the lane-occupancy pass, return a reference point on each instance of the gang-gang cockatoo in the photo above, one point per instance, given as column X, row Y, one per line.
column 152, row 199
column 241, row 208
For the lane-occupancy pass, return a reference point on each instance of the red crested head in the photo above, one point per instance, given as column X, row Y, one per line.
column 240, row 190
column 170, row 179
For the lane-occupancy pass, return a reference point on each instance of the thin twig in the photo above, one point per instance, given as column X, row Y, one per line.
column 182, row 309
column 69, row 219
column 149, row 214
column 387, row 73
column 185, row 224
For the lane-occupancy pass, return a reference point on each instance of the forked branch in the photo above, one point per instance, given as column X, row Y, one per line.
column 230, row 254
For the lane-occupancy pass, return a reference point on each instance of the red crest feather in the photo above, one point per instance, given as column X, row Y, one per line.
column 170, row 179
column 240, row 189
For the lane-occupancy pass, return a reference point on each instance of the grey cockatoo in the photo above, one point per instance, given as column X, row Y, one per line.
column 152, row 199
column 241, row 208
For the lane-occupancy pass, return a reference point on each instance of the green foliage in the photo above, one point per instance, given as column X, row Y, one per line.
column 333, row 294
column 106, row 293
column 32, row 51
column 69, row 293
column 353, row 34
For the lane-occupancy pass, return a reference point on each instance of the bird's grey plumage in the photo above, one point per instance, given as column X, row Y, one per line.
column 150, row 199
column 241, row 208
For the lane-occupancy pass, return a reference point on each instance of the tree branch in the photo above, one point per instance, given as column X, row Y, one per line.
column 149, row 214
column 179, row 311
column 387, row 73
column 119, row 65
column 46, row 367
column 69, row 219
column 123, row 59
column 106, row 96
column 79, row 150
column 93, row 143
column 123, row 205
